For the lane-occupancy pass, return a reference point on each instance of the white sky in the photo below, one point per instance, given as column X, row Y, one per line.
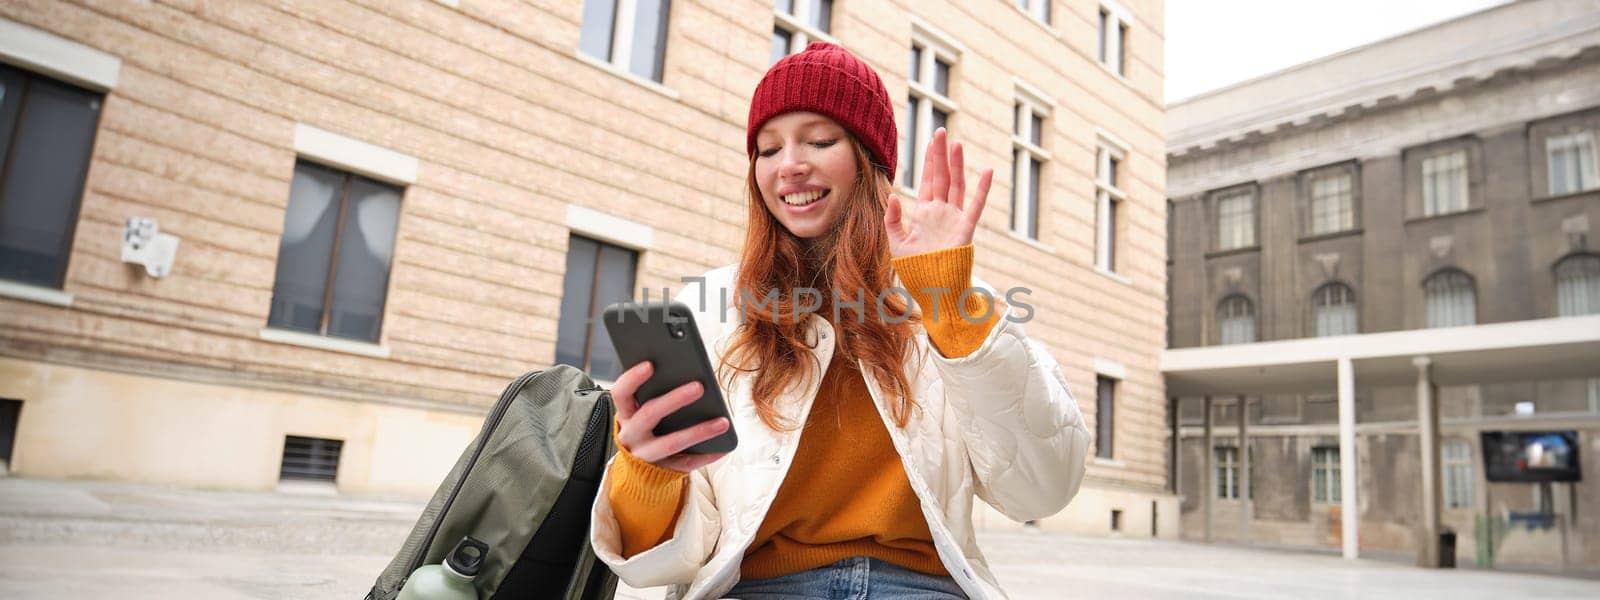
column 1213, row 43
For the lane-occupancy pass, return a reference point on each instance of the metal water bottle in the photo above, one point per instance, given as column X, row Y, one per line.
column 451, row 580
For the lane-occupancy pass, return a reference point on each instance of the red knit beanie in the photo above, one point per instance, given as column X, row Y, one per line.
column 828, row 80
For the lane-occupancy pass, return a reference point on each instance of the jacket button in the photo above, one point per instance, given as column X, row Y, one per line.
column 775, row 459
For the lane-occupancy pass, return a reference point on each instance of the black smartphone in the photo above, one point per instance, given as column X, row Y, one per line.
column 664, row 333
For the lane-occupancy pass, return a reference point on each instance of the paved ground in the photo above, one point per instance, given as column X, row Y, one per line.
column 104, row 540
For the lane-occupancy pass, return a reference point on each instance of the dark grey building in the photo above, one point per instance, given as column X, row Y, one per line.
column 1410, row 219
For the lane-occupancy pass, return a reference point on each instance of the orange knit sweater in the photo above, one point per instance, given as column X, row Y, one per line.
column 846, row 493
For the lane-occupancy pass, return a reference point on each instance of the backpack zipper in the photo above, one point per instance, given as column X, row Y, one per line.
column 492, row 422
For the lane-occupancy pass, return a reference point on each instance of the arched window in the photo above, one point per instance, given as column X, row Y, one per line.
column 1578, row 285
column 1451, row 299
column 1236, row 319
column 1334, row 306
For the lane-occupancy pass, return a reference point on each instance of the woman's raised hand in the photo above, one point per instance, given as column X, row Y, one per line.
column 942, row 216
column 638, row 422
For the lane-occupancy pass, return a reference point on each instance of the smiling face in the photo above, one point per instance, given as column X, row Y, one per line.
column 806, row 171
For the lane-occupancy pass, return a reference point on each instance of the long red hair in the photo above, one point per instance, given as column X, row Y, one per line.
column 852, row 258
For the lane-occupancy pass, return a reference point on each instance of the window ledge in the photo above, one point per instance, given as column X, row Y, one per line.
column 1113, row 275
column 307, row 488
column 351, row 154
column 626, row 76
column 1035, row 20
column 34, row 293
column 58, row 57
column 1578, row 194
column 1120, row 77
column 1037, row 152
column 1109, row 462
column 1331, row 235
column 1233, row 251
column 610, row 228
column 1469, row 211
column 1030, row 241
column 793, row 24
column 296, row 338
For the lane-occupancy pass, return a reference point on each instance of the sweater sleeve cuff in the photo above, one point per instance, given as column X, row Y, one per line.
column 643, row 484
column 936, row 281
column 645, row 499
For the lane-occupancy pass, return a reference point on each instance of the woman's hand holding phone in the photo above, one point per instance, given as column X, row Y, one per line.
column 638, row 421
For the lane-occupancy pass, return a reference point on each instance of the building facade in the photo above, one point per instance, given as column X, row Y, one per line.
column 368, row 216
column 1441, row 179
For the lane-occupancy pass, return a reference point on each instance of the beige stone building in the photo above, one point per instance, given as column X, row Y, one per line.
column 369, row 215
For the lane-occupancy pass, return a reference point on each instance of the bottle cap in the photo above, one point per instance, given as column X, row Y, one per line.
column 467, row 557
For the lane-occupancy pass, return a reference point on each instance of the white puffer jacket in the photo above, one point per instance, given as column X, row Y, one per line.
column 998, row 423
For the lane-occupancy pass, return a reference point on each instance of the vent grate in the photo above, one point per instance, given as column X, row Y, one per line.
column 310, row 459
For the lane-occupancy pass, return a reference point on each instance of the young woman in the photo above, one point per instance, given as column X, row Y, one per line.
column 863, row 434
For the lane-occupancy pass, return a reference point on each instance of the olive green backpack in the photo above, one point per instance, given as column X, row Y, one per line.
column 524, row 487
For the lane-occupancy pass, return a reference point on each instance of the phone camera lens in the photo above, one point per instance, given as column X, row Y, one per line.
column 677, row 332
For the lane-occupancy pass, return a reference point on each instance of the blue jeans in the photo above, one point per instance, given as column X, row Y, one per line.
column 851, row 579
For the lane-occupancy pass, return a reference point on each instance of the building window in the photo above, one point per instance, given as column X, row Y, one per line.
column 1456, row 457
column 1108, row 168
column 1572, row 163
column 1038, row 9
column 1236, row 220
column 1104, row 416
column 334, row 259
column 1578, row 285
column 1334, row 306
column 1444, row 183
column 598, row 275
column 1227, row 459
column 929, row 105
column 1325, row 475
column 1451, row 299
column 1113, row 38
column 1028, row 114
column 10, row 416
column 47, row 130
column 1332, row 203
column 799, row 23
column 631, row 34
column 1236, row 320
